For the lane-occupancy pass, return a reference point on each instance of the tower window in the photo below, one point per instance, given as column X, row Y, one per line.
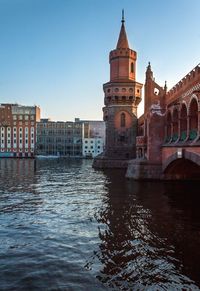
column 132, row 67
column 123, row 120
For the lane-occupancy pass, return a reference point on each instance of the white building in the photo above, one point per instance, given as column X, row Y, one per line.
column 93, row 138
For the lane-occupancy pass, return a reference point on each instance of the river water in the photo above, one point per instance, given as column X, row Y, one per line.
column 66, row 226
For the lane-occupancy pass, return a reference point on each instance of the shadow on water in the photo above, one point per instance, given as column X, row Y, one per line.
column 149, row 234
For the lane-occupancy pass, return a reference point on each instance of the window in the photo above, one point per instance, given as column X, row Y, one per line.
column 122, row 138
column 132, row 67
column 123, row 120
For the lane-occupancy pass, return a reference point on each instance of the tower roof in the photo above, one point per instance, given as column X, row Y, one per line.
column 123, row 40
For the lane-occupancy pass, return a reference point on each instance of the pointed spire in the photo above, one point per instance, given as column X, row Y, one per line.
column 122, row 41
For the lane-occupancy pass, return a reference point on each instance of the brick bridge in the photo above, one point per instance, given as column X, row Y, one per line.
column 168, row 141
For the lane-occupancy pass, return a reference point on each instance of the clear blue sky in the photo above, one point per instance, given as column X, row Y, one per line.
column 54, row 53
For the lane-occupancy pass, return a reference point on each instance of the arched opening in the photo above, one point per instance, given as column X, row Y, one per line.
column 169, row 126
column 193, row 119
column 183, row 122
column 182, row 169
column 175, row 125
column 123, row 119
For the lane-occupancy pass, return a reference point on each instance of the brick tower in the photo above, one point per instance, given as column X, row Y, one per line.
column 122, row 96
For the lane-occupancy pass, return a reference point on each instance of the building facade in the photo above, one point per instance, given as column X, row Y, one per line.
column 164, row 143
column 59, row 138
column 168, row 141
column 18, row 130
column 93, row 138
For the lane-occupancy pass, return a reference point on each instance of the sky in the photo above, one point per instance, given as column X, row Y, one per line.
column 55, row 53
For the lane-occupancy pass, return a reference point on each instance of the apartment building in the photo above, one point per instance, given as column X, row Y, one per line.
column 18, row 130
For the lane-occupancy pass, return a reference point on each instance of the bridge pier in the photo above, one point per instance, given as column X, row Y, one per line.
column 144, row 170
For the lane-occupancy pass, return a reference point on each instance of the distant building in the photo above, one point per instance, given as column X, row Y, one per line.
column 70, row 139
column 59, row 138
column 93, row 138
column 18, row 130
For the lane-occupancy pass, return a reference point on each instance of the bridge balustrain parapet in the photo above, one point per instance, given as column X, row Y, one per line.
column 186, row 85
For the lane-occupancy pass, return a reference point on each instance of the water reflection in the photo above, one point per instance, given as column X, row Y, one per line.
column 65, row 226
column 145, row 237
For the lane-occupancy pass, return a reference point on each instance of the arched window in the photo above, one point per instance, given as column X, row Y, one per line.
column 123, row 120
column 183, row 122
column 193, row 115
column 169, row 126
column 132, row 67
column 175, row 125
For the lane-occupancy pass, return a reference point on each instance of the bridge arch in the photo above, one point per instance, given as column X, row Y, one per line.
column 182, row 165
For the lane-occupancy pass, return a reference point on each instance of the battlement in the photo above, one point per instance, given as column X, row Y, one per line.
column 123, row 52
column 185, row 83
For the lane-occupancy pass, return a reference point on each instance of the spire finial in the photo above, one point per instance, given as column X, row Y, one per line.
column 123, row 16
column 149, row 66
column 122, row 41
column 165, row 87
